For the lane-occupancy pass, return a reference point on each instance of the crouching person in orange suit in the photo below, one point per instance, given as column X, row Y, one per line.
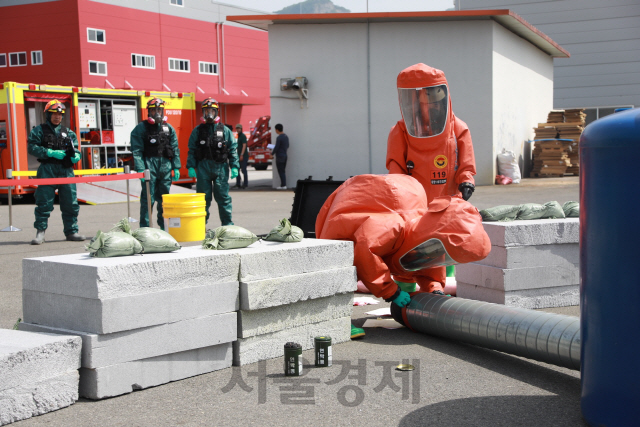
column 397, row 232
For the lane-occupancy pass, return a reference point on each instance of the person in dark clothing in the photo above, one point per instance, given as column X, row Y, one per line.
column 280, row 153
column 243, row 155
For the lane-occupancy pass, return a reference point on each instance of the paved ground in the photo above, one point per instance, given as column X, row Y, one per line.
column 454, row 384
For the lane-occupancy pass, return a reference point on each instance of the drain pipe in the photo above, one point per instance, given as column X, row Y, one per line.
column 546, row 337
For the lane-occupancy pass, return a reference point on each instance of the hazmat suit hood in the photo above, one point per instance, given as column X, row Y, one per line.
column 425, row 105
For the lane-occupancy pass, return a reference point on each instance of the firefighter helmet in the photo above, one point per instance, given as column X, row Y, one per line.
column 157, row 116
column 54, row 106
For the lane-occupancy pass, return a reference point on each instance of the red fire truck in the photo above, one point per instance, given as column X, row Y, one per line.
column 259, row 155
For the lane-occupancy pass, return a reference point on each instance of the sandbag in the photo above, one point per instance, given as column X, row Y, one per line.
column 508, row 165
column 154, row 240
column 285, row 232
column 228, row 237
column 112, row 244
column 123, row 226
column 500, row 213
column 537, row 211
column 571, row 209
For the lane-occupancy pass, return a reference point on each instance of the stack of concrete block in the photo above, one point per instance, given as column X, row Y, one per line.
column 293, row 292
column 532, row 264
column 144, row 320
column 38, row 373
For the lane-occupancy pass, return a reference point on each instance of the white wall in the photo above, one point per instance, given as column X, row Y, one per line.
column 350, row 82
column 522, row 94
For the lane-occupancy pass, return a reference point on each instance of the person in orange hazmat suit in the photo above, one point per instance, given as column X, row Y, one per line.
column 431, row 144
column 397, row 231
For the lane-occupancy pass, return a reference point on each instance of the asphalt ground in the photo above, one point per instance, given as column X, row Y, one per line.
column 453, row 384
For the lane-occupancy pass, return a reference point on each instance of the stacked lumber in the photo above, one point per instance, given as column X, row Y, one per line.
column 550, row 158
column 556, row 116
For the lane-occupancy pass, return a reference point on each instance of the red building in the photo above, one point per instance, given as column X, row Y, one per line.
column 140, row 45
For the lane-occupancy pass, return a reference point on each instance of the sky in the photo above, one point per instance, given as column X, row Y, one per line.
column 354, row 6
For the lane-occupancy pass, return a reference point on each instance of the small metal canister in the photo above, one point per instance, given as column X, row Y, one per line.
column 323, row 351
column 292, row 359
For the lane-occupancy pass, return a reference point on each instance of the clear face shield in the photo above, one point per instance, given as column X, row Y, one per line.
column 426, row 255
column 424, row 110
column 209, row 114
column 156, row 114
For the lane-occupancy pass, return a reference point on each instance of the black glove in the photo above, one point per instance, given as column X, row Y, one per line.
column 466, row 188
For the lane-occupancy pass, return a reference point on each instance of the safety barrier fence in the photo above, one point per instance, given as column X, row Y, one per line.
column 121, row 174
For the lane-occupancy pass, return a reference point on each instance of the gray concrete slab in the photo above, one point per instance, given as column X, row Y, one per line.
column 281, row 290
column 533, row 256
column 287, row 316
column 513, row 279
column 533, row 232
column 30, row 357
column 561, row 296
column 105, row 316
column 109, row 349
column 136, row 375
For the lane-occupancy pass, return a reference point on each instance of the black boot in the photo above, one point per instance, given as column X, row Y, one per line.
column 75, row 237
column 39, row 238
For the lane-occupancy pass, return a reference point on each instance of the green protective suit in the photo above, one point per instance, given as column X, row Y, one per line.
column 212, row 175
column 52, row 168
column 159, row 168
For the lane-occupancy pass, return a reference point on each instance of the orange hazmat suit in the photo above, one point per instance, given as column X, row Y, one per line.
column 397, row 232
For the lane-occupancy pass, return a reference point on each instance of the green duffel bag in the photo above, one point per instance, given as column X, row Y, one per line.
column 122, row 225
column 228, row 237
column 571, row 209
column 154, row 240
column 537, row 211
column 500, row 213
column 113, row 243
column 285, row 232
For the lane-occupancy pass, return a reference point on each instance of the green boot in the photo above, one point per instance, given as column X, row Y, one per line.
column 356, row 332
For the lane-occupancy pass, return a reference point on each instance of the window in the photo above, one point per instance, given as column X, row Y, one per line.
column 3, row 59
column 96, row 36
column 97, row 67
column 36, row 57
column 181, row 65
column 208, row 68
column 17, row 59
column 177, row 2
column 594, row 114
column 143, row 61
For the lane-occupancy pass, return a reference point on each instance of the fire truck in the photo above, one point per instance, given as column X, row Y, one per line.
column 101, row 118
column 259, row 154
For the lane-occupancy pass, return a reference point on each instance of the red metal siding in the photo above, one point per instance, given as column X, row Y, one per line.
column 50, row 27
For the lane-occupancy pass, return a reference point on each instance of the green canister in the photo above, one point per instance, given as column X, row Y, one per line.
column 323, row 351
column 292, row 359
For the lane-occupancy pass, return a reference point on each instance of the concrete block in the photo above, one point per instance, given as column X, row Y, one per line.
column 109, row 349
column 126, row 377
column 561, row 296
column 128, row 312
column 533, row 232
column 268, row 346
column 268, row 320
column 30, row 358
column 533, row 256
column 264, row 260
column 282, row 290
column 102, row 278
column 518, row 278
column 31, row 399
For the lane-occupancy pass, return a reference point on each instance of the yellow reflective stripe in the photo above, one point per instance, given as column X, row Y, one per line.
column 75, row 172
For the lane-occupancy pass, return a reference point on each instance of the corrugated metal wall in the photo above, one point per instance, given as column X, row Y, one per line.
column 603, row 38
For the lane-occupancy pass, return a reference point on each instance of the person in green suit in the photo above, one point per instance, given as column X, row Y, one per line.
column 212, row 151
column 154, row 145
column 55, row 146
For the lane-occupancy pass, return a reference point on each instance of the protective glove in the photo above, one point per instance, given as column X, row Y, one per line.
column 402, row 299
column 466, row 188
column 56, row 154
column 234, row 173
column 176, row 175
column 76, row 157
column 192, row 173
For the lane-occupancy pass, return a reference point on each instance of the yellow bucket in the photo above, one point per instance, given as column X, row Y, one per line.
column 185, row 216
